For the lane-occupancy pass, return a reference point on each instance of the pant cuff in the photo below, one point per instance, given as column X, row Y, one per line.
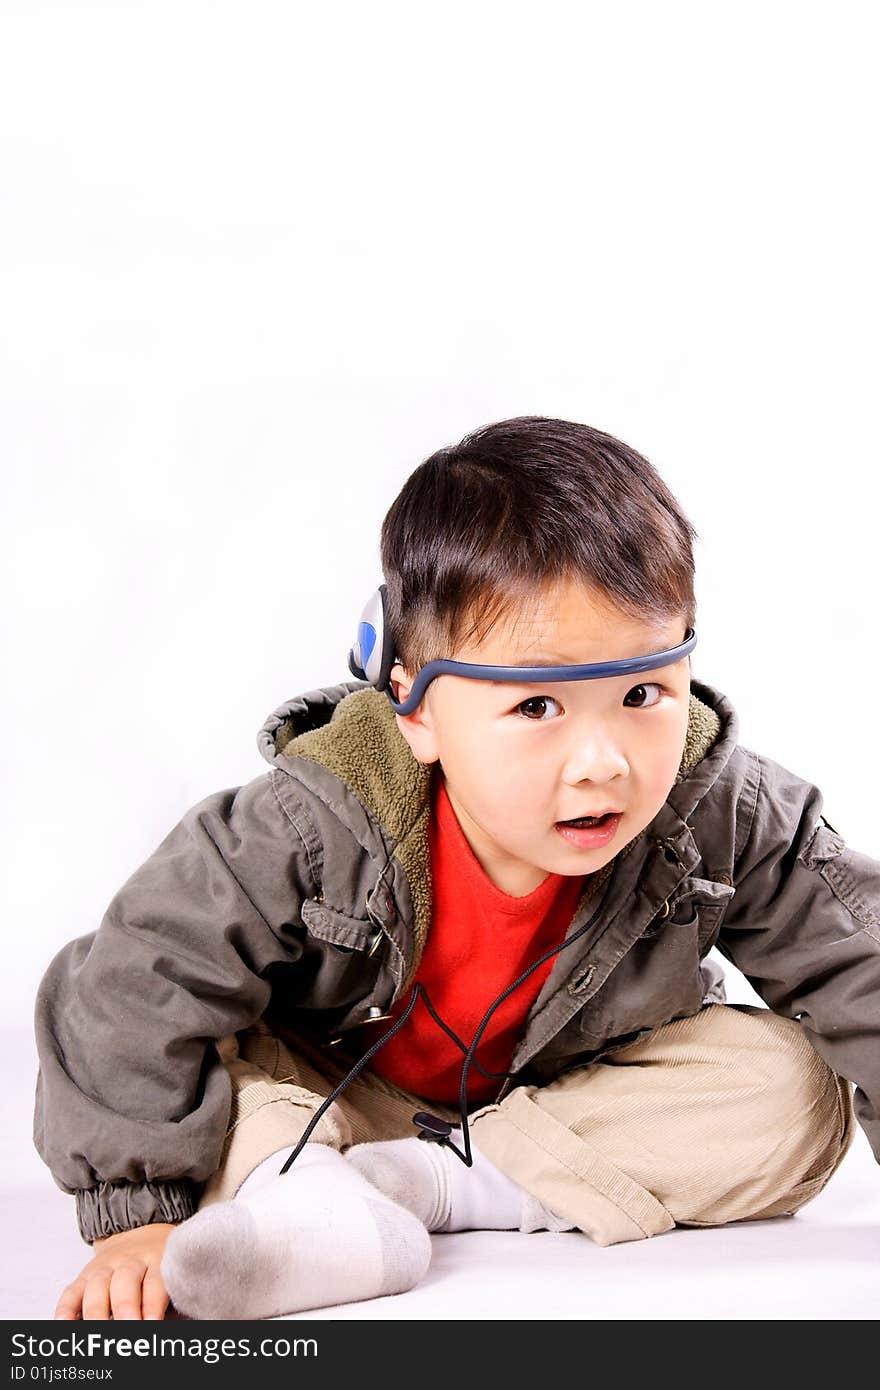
column 565, row 1173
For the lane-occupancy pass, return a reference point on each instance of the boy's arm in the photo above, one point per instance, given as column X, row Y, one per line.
column 804, row 928
column 132, row 1099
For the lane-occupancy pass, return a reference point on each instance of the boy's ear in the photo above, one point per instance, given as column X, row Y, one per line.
column 417, row 728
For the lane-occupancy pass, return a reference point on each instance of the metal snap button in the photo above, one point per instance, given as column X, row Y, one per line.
column 374, row 1015
column 656, row 922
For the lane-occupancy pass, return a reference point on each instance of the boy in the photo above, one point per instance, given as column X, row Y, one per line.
column 280, row 929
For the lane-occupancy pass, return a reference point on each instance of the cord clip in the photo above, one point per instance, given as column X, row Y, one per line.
column 432, row 1128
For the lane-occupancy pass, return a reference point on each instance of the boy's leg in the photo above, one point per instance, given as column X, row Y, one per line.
column 729, row 1115
column 278, row 1082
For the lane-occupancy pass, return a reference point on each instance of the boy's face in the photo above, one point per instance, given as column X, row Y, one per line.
column 519, row 758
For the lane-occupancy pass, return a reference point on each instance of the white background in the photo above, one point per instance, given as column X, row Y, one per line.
column 259, row 260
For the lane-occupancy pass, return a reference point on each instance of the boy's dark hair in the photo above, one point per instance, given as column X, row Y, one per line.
column 481, row 526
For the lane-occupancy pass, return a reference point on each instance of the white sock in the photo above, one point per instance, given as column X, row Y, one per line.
column 431, row 1182
column 270, row 1168
column 318, row 1235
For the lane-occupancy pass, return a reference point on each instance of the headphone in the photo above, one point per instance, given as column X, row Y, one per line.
column 372, row 656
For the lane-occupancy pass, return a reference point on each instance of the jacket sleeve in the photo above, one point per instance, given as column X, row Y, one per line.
column 132, row 1099
column 804, row 928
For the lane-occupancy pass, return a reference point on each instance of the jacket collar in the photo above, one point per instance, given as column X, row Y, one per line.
column 343, row 743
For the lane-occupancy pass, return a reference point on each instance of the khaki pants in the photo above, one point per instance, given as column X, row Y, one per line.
column 730, row 1115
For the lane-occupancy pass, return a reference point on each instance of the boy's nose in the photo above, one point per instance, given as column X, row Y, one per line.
column 602, row 766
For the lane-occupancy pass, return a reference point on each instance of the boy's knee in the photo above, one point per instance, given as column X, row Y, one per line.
column 801, row 1089
column 809, row 1119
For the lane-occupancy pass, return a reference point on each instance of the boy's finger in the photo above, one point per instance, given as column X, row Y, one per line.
column 70, row 1302
column 155, row 1296
column 96, row 1296
column 125, row 1291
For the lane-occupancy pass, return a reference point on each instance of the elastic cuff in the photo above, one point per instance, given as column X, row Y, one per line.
column 112, row 1207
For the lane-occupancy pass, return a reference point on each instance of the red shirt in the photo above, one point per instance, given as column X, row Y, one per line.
column 480, row 939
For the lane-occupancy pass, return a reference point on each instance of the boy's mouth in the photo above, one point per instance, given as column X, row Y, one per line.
column 590, row 832
column 604, row 819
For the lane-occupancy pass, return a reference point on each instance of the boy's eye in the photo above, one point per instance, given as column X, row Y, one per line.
column 536, row 700
column 638, row 690
column 646, row 685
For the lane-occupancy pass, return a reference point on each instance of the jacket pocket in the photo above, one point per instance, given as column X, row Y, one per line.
column 698, row 903
column 336, row 968
column 850, row 875
column 659, row 978
column 337, row 928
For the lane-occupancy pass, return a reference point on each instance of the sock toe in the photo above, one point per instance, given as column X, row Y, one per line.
column 211, row 1267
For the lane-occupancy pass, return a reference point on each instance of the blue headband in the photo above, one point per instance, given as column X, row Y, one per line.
column 594, row 670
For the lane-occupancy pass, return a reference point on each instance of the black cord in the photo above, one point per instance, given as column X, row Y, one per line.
column 359, row 1065
column 438, row 1131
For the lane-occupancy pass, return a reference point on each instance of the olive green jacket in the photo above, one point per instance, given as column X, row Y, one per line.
column 306, row 895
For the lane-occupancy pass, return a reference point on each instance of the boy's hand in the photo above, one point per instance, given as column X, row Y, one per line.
column 123, row 1278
